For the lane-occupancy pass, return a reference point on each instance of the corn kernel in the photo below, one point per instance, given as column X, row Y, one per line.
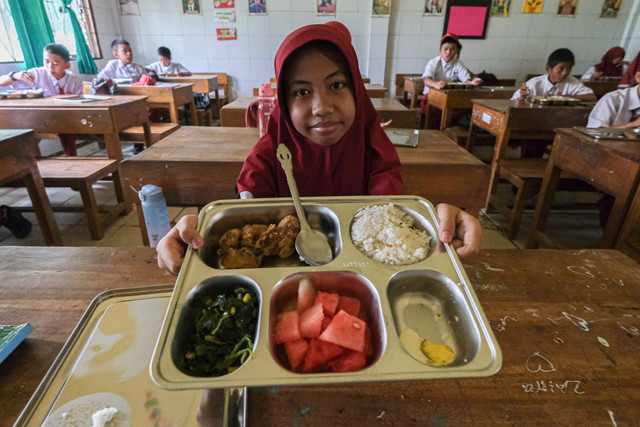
column 190, row 355
column 209, row 338
column 356, row 325
column 232, row 368
column 233, row 310
column 246, row 298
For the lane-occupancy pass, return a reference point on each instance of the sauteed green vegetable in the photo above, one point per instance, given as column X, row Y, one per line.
column 225, row 333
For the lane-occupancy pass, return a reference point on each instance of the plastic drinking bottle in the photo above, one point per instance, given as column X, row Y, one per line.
column 154, row 209
column 267, row 101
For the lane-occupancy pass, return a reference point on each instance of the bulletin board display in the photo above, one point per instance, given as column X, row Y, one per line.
column 467, row 18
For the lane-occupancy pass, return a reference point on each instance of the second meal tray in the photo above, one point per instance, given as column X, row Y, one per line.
column 432, row 297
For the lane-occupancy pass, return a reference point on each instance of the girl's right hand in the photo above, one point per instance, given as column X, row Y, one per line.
column 172, row 247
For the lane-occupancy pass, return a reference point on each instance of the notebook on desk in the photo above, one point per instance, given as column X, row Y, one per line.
column 403, row 137
column 81, row 98
column 609, row 133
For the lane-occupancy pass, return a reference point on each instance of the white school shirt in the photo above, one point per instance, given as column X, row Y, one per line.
column 587, row 75
column 70, row 83
column 452, row 71
column 173, row 67
column 115, row 69
column 541, row 85
column 615, row 108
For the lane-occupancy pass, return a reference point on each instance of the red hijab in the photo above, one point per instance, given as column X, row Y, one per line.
column 606, row 65
column 363, row 162
column 629, row 77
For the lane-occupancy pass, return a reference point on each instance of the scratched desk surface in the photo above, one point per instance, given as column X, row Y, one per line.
column 567, row 322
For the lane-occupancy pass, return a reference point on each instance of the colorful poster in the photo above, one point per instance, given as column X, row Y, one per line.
column 129, row 7
column 500, row 7
column 434, row 7
column 226, row 34
column 257, row 7
column 227, row 17
column 567, row 7
column 191, row 7
column 223, row 4
column 610, row 8
column 326, row 8
column 381, row 7
column 532, row 6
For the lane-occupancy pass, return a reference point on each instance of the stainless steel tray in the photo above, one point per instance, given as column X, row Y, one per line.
column 553, row 100
column 21, row 93
column 433, row 297
column 105, row 363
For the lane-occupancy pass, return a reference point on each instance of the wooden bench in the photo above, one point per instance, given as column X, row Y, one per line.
column 80, row 173
column 158, row 131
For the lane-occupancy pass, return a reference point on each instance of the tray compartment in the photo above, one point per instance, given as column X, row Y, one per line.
column 345, row 283
column 319, row 218
column 433, row 306
column 420, row 222
column 195, row 301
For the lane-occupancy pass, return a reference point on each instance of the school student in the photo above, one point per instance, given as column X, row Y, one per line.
column 165, row 65
column 557, row 81
column 628, row 77
column 123, row 66
column 611, row 65
column 325, row 118
column 618, row 109
column 18, row 225
column 54, row 78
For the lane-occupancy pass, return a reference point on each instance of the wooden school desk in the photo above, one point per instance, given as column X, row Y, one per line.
column 197, row 165
column 18, row 162
column 507, row 119
column 202, row 83
column 447, row 100
column 108, row 117
column 629, row 238
column 602, row 87
column 566, row 322
column 610, row 165
column 166, row 95
column 232, row 114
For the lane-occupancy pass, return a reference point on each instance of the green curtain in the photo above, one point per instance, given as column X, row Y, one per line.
column 33, row 28
column 86, row 64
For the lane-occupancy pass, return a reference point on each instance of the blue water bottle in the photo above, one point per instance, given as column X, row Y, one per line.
column 156, row 216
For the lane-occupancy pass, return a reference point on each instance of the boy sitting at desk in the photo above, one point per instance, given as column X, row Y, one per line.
column 54, row 78
column 123, row 67
column 164, row 65
column 618, row 109
column 557, row 81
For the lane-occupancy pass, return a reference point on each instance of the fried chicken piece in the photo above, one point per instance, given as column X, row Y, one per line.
column 240, row 258
column 280, row 240
column 251, row 233
column 230, row 239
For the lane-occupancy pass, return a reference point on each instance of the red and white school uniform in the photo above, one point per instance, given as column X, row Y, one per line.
column 616, row 108
column 541, row 85
column 115, row 69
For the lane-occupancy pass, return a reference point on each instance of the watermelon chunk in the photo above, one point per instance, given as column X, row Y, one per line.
column 349, row 361
column 311, row 321
column 325, row 323
column 319, row 353
column 350, row 305
column 287, row 327
column 368, row 343
column 345, row 330
column 306, row 295
column 329, row 302
column 296, row 350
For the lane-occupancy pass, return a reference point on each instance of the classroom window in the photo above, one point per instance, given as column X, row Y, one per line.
column 63, row 31
column 9, row 45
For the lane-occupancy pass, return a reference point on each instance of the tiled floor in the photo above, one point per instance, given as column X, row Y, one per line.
column 576, row 229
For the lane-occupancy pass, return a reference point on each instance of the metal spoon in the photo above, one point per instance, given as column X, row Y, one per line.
column 311, row 245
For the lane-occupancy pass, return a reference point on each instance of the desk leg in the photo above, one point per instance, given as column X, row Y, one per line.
column 543, row 206
column 148, row 141
column 194, row 114
column 471, row 138
column 143, row 225
column 42, row 208
column 502, row 139
column 173, row 112
column 445, row 120
column 114, row 146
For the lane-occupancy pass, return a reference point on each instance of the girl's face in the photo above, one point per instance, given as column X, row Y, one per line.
column 618, row 60
column 448, row 51
column 319, row 98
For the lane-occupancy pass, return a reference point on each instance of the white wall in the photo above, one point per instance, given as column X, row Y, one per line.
column 516, row 45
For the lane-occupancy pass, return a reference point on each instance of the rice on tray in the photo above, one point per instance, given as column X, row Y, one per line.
column 385, row 233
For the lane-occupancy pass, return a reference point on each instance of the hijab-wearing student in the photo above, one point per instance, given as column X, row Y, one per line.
column 629, row 76
column 326, row 119
column 611, row 65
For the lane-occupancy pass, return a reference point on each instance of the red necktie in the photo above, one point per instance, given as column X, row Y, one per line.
column 61, row 91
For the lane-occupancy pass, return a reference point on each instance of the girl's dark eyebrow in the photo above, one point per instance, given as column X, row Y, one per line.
column 328, row 77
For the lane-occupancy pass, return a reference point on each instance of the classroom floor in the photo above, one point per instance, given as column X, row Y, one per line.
column 574, row 228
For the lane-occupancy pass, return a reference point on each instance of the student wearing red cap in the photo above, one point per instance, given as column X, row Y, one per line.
column 446, row 67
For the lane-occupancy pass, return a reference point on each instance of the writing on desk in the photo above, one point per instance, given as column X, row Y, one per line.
column 538, row 363
column 629, row 328
column 581, row 323
column 542, row 386
column 502, row 326
column 490, row 287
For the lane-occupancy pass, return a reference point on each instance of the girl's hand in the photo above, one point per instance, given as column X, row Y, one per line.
column 596, row 75
column 460, row 229
column 172, row 247
column 25, row 76
column 476, row 81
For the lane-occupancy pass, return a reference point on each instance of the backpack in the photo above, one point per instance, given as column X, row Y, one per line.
column 104, row 87
column 487, row 78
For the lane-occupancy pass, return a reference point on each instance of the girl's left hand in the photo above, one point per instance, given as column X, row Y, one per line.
column 476, row 81
column 460, row 229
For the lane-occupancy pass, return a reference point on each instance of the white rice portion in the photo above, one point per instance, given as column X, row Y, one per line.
column 385, row 233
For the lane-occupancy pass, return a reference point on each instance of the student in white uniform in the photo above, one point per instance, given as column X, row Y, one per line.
column 54, row 78
column 164, row 65
column 557, row 81
column 444, row 68
column 612, row 64
column 123, row 66
column 618, row 109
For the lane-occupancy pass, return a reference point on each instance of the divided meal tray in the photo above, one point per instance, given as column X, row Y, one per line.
column 433, row 297
column 21, row 93
column 553, row 100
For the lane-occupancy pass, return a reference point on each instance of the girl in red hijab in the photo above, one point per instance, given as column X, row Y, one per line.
column 327, row 121
column 611, row 65
column 628, row 78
